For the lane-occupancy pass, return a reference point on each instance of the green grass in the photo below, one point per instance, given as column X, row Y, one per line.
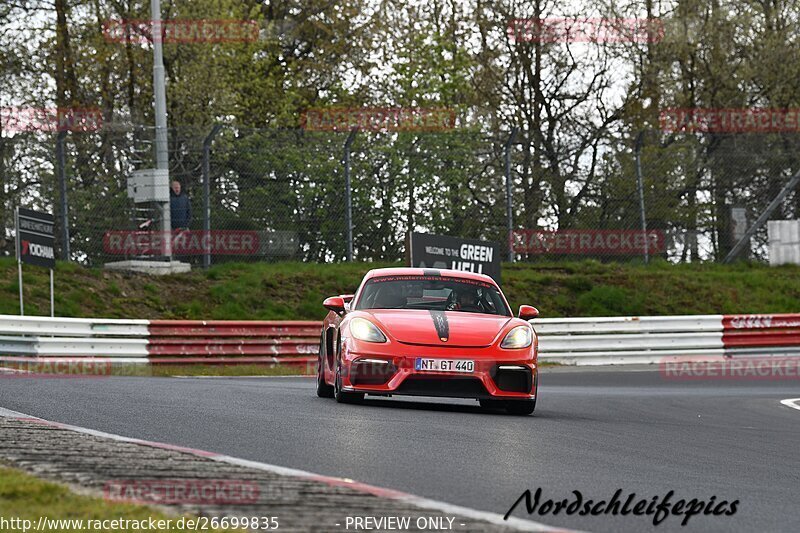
column 294, row 291
column 26, row 497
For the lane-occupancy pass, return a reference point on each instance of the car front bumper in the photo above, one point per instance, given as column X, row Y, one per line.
column 512, row 375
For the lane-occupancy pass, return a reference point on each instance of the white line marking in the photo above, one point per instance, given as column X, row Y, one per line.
column 7, row 413
column 418, row 501
column 793, row 403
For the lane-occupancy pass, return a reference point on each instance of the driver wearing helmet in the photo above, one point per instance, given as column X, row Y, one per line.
column 467, row 300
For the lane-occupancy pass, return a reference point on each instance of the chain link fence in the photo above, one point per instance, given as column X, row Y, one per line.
column 270, row 195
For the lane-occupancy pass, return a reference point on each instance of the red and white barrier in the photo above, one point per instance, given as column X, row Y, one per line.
column 221, row 341
column 160, row 341
column 627, row 340
column 761, row 334
column 583, row 341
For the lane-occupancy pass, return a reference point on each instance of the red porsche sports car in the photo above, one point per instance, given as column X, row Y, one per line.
column 427, row 332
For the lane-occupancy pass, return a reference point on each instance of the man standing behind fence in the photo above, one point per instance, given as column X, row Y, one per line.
column 180, row 207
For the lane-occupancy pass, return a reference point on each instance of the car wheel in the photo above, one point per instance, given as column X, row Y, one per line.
column 340, row 395
column 520, row 407
column 323, row 389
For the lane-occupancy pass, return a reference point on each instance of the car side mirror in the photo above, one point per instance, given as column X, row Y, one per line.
column 334, row 303
column 528, row 312
column 348, row 301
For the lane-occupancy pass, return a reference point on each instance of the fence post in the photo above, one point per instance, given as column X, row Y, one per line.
column 160, row 112
column 207, row 189
column 348, row 195
column 509, row 199
column 640, row 186
column 61, row 171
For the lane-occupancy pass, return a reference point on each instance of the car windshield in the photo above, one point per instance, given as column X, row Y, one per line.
column 432, row 293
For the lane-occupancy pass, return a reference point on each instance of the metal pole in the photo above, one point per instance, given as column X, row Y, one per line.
column 19, row 261
column 509, row 196
column 640, row 186
column 737, row 248
column 348, row 195
column 52, row 301
column 207, row 189
column 62, row 182
column 160, row 104
column 21, row 298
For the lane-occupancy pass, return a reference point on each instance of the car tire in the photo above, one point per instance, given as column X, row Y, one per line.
column 323, row 389
column 520, row 407
column 340, row 395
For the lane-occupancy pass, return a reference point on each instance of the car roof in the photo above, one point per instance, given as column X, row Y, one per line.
column 445, row 272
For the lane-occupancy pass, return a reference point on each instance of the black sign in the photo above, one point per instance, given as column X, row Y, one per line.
column 470, row 255
column 35, row 238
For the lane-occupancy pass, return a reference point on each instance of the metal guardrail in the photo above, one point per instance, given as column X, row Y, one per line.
column 584, row 341
column 45, row 338
column 627, row 324
column 72, row 327
column 17, row 346
column 620, row 340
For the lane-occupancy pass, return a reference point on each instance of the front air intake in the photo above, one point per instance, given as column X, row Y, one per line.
column 443, row 386
column 510, row 378
column 371, row 372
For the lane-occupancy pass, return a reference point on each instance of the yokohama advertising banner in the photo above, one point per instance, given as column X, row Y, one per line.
column 35, row 238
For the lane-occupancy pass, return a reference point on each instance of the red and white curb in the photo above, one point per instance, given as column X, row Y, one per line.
column 518, row 524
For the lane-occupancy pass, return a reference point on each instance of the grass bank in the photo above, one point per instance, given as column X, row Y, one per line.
column 25, row 499
column 294, row 291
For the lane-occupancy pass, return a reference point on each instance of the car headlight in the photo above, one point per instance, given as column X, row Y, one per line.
column 519, row 337
column 364, row 330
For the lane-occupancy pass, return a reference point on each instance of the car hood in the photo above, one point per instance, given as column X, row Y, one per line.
column 439, row 328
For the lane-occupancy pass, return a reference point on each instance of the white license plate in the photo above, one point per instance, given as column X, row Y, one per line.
column 444, row 365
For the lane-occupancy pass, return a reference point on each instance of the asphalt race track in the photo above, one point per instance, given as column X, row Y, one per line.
column 594, row 431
